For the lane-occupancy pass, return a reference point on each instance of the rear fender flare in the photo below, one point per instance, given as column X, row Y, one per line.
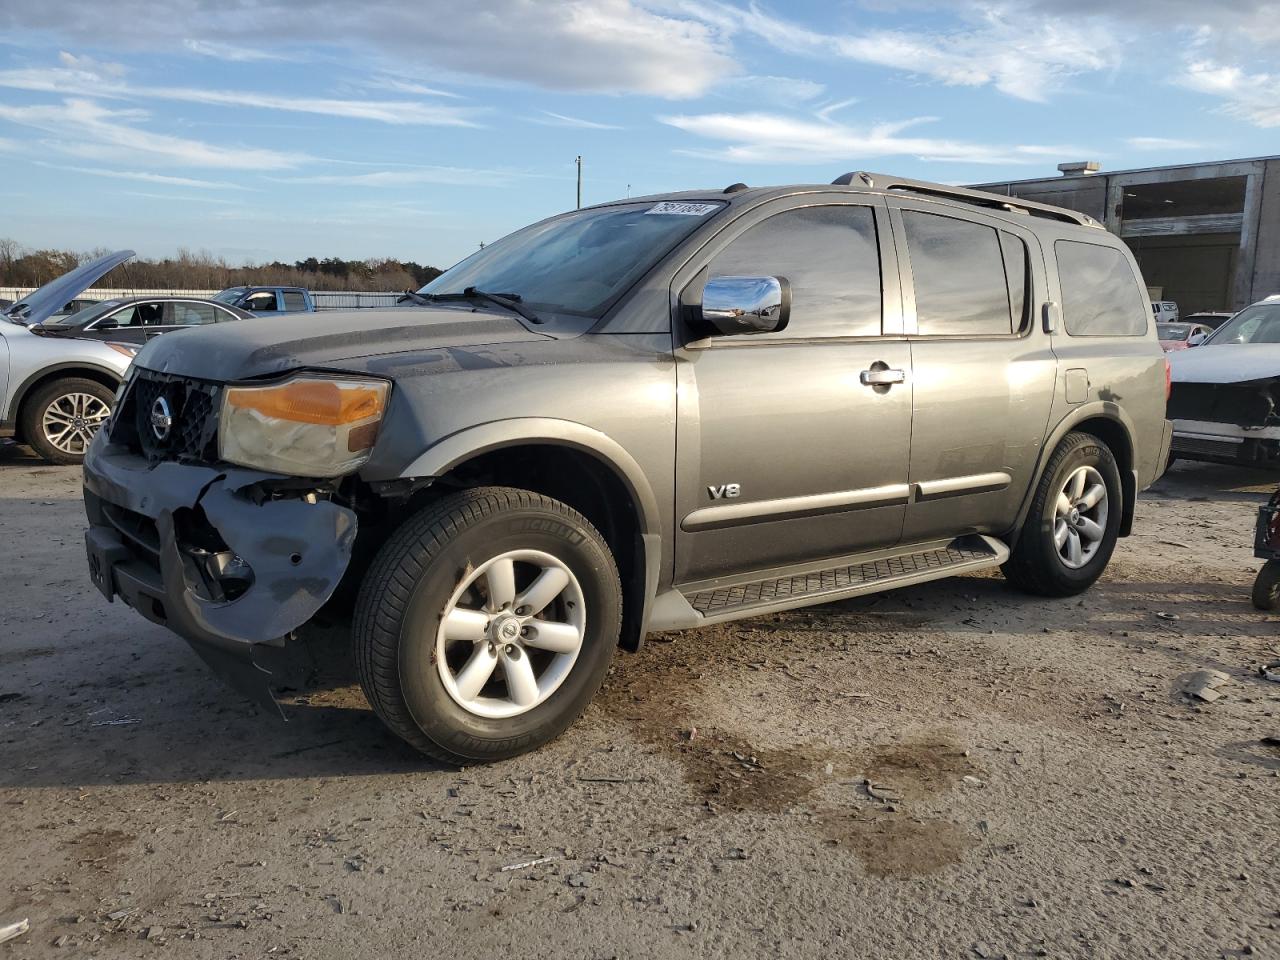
column 1095, row 410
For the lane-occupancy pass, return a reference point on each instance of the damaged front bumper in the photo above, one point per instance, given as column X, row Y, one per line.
column 232, row 560
column 1236, row 422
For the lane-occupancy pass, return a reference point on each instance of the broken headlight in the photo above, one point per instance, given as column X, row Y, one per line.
column 308, row 426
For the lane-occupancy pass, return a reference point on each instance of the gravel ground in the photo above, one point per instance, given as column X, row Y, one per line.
column 950, row 770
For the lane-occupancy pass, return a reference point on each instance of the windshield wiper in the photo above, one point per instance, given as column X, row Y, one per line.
column 509, row 301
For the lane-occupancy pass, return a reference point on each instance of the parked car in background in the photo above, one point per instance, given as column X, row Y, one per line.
column 654, row 414
column 1179, row 336
column 1165, row 311
column 1226, row 392
column 268, row 301
column 75, row 305
column 138, row 319
column 55, row 392
column 1212, row 319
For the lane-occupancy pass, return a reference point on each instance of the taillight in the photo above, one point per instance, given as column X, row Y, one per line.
column 1168, row 380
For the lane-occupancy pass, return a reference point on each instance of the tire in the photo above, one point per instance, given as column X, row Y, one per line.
column 422, row 573
column 1266, row 589
column 1038, row 564
column 75, row 401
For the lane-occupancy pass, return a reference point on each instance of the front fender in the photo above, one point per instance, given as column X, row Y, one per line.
column 456, row 448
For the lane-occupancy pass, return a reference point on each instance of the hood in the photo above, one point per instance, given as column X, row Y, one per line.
column 1226, row 363
column 53, row 296
column 269, row 345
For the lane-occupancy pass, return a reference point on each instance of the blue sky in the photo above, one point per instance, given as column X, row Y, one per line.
column 416, row 129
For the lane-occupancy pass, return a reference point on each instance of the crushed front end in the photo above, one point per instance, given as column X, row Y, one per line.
column 232, row 559
column 1236, row 423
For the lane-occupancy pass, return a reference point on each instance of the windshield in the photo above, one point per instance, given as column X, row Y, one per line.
column 1257, row 324
column 230, row 295
column 81, row 317
column 1173, row 331
column 580, row 262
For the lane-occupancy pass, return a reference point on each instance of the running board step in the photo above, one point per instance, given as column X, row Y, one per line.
column 848, row 579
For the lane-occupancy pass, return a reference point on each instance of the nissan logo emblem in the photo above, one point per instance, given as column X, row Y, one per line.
column 161, row 418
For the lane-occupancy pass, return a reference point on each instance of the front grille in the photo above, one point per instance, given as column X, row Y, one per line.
column 192, row 407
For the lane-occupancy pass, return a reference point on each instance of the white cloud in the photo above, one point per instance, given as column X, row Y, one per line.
column 234, row 53
column 600, row 46
column 782, row 91
column 94, row 132
column 400, row 85
column 550, row 119
column 1163, row 143
column 455, row 176
column 145, row 177
column 770, row 138
column 80, row 80
column 1254, row 97
column 991, row 44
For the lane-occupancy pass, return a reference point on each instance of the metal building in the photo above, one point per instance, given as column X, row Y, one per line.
column 1207, row 235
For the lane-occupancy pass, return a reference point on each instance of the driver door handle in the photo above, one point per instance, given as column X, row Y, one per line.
column 881, row 377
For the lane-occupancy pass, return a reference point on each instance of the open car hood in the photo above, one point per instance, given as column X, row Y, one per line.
column 1225, row 363
column 42, row 304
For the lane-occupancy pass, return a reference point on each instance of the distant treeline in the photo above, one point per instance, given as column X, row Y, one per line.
column 189, row 270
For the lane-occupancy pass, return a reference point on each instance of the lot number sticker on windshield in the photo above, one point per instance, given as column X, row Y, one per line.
column 683, row 209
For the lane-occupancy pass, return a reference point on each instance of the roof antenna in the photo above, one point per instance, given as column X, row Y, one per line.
column 735, row 187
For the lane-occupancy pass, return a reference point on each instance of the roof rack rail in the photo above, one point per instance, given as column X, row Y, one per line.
column 976, row 197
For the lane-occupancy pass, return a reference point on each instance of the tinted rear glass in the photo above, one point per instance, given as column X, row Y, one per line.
column 960, row 279
column 1100, row 294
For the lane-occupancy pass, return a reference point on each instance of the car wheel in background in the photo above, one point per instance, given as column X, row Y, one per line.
column 59, row 420
column 1074, row 522
column 486, row 624
column 1266, row 589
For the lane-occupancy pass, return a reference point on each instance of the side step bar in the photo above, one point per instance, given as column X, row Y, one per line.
column 714, row 601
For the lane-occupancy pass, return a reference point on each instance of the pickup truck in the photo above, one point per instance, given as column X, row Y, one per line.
column 265, row 301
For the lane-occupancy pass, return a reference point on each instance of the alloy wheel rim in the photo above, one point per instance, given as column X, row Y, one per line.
column 510, row 633
column 72, row 419
column 1080, row 517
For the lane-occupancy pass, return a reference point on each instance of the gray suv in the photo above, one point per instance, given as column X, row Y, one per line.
column 647, row 415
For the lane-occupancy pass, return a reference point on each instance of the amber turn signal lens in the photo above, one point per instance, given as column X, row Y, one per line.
column 328, row 402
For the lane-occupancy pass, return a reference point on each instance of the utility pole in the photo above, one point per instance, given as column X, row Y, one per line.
column 579, row 181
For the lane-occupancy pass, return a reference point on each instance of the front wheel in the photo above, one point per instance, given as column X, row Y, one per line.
column 486, row 624
column 60, row 419
column 1074, row 522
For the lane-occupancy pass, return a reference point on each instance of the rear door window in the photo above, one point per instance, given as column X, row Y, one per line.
column 294, row 300
column 830, row 257
column 1100, row 293
column 970, row 279
column 192, row 314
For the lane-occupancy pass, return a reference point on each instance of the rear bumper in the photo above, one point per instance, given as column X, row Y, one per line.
column 199, row 550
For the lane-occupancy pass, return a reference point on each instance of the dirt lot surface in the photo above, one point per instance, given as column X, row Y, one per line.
column 950, row 770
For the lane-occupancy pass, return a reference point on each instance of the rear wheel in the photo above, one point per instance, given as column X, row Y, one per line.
column 487, row 623
column 61, row 418
column 1074, row 522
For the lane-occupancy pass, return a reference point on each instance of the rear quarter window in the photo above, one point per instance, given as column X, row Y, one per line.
column 1101, row 296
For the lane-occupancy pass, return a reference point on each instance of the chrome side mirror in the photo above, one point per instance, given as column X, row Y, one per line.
column 1196, row 339
column 738, row 305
